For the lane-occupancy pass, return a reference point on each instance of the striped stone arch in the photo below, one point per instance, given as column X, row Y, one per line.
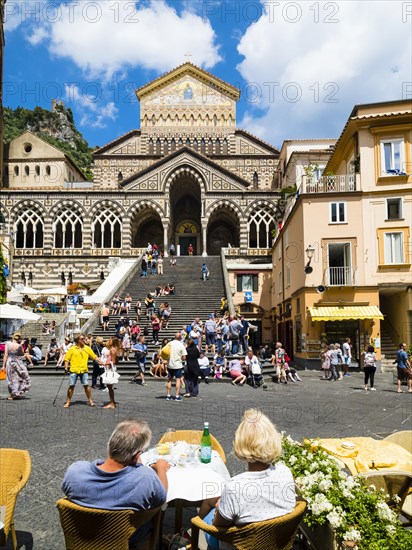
column 107, row 221
column 141, row 205
column 68, row 226
column 29, row 224
column 224, row 203
column 185, row 170
column 5, row 211
column 262, row 218
column 67, row 203
column 25, row 204
column 146, row 225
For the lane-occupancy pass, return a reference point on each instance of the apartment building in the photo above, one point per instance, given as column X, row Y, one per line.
column 342, row 258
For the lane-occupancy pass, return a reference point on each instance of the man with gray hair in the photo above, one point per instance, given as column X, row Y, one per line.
column 120, row 482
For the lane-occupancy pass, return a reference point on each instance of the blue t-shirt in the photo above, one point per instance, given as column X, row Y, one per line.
column 131, row 488
column 401, row 358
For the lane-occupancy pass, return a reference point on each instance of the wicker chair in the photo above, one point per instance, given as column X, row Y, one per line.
column 15, row 469
column 403, row 439
column 194, row 437
column 95, row 529
column 275, row 534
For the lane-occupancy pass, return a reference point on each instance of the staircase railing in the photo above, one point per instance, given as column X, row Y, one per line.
column 94, row 320
column 228, row 289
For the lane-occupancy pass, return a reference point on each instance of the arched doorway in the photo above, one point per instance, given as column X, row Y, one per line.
column 222, row 231
column 185, row 210
column 146, row 227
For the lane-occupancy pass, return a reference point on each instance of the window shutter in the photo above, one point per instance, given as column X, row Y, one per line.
column 255, row 284
column 239, row 283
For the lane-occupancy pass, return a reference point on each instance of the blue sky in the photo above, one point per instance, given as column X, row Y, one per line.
column 300, row 66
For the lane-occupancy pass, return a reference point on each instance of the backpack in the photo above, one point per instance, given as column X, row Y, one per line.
column 145, row 331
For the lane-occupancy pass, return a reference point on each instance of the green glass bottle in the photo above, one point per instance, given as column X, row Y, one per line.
column 206, row 445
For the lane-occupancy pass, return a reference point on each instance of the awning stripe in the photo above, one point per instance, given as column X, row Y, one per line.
column 337, row 313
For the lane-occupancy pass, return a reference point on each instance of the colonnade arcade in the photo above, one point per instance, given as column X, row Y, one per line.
column 183, row 216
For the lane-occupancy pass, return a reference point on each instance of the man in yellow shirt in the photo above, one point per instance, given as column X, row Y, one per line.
column 78, row 356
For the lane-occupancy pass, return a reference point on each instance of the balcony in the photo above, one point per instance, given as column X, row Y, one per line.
column 340, row 276
column 331, row 184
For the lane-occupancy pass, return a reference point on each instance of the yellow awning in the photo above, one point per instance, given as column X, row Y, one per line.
column 336, row 313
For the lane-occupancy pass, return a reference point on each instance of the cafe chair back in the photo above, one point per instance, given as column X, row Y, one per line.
column 274, row 534
column 393, row 482
column 15, row 469
column 403, row 439
column 193, row 437
column 94, row 529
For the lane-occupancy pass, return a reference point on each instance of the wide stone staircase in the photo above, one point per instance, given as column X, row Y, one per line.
column 388, row 350
column 193, row 298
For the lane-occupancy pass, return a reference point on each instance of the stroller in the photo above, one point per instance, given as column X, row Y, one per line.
column 256, row 377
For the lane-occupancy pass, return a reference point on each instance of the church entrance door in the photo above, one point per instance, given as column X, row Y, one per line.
column 185, row 242
column 185, row 209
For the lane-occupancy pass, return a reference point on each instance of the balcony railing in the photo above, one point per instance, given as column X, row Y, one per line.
column 331, row 184
column 340, row 276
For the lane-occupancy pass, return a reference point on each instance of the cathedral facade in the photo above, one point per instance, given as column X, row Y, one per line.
column 188, row 176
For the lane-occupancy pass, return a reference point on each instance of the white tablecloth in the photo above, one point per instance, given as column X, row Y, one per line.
column 194, row 481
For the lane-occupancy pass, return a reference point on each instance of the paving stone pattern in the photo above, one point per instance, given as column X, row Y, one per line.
column 56, row 437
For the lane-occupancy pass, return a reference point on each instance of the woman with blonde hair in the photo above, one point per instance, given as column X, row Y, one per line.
column 18, row 378
column 265, row 491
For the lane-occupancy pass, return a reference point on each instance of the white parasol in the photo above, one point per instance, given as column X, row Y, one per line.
column 8, row 311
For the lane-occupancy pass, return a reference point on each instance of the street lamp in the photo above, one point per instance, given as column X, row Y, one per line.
column 310, row 251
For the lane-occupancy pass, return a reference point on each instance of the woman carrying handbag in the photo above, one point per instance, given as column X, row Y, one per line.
column 110, row 376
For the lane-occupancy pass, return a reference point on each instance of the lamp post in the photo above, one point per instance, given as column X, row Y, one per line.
column 310, row 251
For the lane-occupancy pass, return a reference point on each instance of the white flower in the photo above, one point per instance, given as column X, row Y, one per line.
column 336, row 517
column 396, row 499
column 320, row 505
column 385, row 513
column 352, row 534
column 325, row 485
column 292, row 460
column 391, row 529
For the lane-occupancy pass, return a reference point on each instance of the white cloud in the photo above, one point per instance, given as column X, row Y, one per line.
column 38, row 35
column 363, row 57
column 92, row 112
column 103, row 38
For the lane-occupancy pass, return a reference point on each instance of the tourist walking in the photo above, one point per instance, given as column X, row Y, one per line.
column 144, row 266
column 205, row 272
column 105, row 317
column 18, row 379
column 172, row 249
column 155, row 322
column 404, row 368
column 97, row 347
column 347, row 356
column 141, row 353
column 160, row 265
column 325, row 357
column 175, row 366
column 210, row 329
column 111, row 360
column 335, row 361
column 76, row 361
column 369, row 367
column 192, row 371
column 190, row 249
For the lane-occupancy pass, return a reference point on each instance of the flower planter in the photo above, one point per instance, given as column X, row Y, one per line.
column 321, row 537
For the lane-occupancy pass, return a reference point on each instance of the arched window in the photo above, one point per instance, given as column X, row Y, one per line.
column 29, row 229
column 203, row 146
column 180, row 142
column 151, row 147
column 166, row 147
column 225, row 148
column 119, row 177
column 188, row 144
column 255, row 180
column 106, row 230
column 16, row 170
column 214, row 120
column 217, row 146
column 48, row 170
column 158, row 147
column 173, row 145
column 26, row 170
column 153, row 120
column 195, row 145
column 37, row 170
column 68, row 228
column 260, row 226
column 210, row 147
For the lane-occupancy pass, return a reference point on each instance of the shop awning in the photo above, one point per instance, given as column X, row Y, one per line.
column 336, row 313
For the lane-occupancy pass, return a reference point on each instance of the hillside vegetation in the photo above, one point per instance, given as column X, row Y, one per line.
column 57, row 127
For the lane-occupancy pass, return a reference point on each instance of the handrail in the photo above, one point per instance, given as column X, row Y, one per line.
column 94, row 320
column 392, row 331
column 226, row 281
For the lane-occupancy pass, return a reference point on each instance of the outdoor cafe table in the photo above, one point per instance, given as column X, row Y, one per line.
column 367, row 454
column 191, row 481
